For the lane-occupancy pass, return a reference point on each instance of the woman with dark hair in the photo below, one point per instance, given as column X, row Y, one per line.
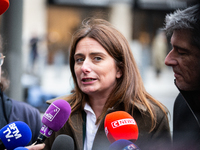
column 106, row 79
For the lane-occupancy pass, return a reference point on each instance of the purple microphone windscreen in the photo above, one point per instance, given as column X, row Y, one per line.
column 57, row 115
column 15, row 134
column 119, row 144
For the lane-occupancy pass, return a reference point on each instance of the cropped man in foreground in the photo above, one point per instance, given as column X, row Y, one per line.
column 184, row 28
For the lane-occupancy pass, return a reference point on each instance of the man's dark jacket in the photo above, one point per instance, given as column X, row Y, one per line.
column 11, row 110
column 186, row 126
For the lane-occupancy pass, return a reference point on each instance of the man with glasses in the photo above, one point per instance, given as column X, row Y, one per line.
column 184, row 28
column 12, row 110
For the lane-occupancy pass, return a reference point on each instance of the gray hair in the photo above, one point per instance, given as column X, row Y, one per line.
column 187, row 19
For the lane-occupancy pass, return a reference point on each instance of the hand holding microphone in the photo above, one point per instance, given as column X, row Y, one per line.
column 14, row 135
column 54, row 119
column 31, row 147
column 120, row 125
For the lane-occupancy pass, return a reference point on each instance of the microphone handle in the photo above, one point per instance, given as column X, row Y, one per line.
column 41, row 139
column 2, row 146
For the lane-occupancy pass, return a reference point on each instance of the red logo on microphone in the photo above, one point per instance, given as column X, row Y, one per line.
column 122, row 122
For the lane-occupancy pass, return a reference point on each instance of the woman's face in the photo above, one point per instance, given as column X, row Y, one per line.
column 95, row 70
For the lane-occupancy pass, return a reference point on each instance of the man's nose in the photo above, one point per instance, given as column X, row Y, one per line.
column 170, row 59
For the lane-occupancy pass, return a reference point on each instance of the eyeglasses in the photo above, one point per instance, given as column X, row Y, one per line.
column 1, row 59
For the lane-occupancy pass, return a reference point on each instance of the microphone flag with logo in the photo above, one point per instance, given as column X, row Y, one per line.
column 120, row 125
column 14, row 135
column 123, row 144
column 54, row 119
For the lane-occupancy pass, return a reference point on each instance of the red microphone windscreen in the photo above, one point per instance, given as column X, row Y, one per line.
column 120, row 125
column 4, row 4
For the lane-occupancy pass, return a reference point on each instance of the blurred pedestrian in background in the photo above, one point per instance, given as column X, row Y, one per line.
column 146, row 53
column 33, row 51
column 159, row 51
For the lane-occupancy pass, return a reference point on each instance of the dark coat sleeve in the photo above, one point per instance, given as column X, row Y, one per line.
column 186, row 128
column 22, row 111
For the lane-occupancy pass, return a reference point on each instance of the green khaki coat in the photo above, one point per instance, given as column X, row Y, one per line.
column 158, row 139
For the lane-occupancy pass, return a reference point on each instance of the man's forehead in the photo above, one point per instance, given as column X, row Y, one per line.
column 183, row 38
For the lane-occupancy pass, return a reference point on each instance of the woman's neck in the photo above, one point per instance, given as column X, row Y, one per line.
column 97, row 104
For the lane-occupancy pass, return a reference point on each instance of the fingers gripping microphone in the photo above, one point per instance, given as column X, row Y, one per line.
column 14, row 135
column 123, row 145
column 63, row 142
column 4, row 4
column 54, row 119
column 120, row 125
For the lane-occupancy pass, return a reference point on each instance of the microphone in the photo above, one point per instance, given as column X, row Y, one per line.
column 120, row 125
column 4, row 4
column 63, row 142
column 123, row 144
column 54, row 119
column 14, row 135
column 21, row 148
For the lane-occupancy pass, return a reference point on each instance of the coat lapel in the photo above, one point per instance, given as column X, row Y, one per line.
column 77, row 130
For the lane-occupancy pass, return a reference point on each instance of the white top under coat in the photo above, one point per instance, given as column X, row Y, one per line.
column 91, row 128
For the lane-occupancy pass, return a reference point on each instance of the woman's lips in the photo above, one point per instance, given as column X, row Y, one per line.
column 88, row 80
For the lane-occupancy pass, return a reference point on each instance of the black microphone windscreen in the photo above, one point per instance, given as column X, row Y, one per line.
column 63, row 142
